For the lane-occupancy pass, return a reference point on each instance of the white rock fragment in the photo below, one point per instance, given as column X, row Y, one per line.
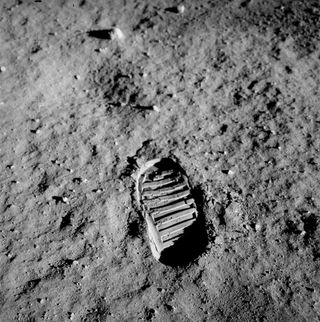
column 66, row 200
column 181, row 8
column 156, row 108
column 104, row 50
column 2, row 69
column 258, row 226
column 219, row 240
column 117, row 34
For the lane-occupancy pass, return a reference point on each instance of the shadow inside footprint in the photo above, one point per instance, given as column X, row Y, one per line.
column 190, row 246
column 193, row 242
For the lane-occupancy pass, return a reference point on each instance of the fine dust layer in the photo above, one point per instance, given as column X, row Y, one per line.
column 90, row 90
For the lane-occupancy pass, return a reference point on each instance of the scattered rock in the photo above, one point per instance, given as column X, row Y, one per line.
column 178, row 9
column 114, row 33
column 181, row 8
column 156, row 108
column 117, row 34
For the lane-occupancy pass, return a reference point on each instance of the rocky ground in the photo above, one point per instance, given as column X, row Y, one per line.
column 90, row 89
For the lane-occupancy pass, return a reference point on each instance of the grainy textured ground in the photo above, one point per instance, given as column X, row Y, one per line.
column 237, row 86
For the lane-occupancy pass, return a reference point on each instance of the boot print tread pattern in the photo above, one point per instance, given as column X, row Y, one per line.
column 166, row 197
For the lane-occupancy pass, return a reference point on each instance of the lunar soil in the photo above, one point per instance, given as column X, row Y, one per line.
column 92, row 89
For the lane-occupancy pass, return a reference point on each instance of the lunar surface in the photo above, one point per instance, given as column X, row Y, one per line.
column 92, row 89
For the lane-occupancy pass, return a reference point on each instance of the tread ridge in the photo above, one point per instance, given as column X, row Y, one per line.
column 170, row 223
column 167, row 191
column 175, row 215
column 188, row 201
column 155, row 185
column 163, row 200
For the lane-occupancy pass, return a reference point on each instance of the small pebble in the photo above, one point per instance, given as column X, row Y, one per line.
column 65, row 199
column 2, row 69
column 181, row 8
column 77, row 77
column 219, row 240
column 156, row 108
column 104, row 50
column 117, row 34
column 258, row 226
